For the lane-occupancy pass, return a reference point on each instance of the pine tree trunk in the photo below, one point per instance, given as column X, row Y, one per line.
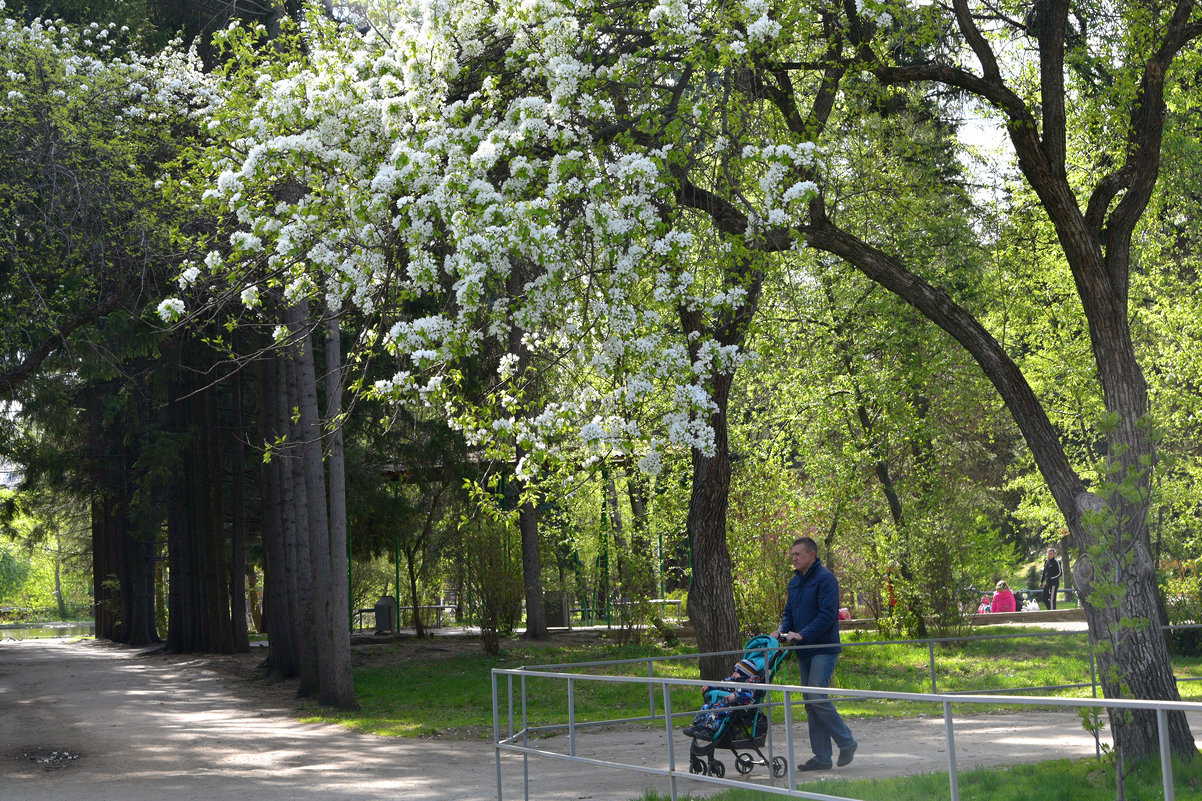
column 239, row 633
column 277, row 605
column 338, row 687
column 298, row 539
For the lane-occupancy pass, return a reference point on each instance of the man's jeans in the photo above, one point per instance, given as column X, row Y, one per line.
column 824, row 722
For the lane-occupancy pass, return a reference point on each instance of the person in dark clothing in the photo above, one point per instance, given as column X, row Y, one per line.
column 1050, row 579
column 811, row 618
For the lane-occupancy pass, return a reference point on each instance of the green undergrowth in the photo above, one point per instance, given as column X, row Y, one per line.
column 1054, row 780
column 418, row 690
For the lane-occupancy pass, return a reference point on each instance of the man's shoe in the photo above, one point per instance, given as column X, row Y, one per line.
column 846, row 755
column 814, row 763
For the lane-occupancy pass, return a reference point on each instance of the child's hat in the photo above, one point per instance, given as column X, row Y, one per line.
column 747, row 668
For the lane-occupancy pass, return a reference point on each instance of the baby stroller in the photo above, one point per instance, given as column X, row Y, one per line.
column 743, row 729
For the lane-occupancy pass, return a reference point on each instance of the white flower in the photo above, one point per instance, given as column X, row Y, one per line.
column 171, row 310
column 189, row 276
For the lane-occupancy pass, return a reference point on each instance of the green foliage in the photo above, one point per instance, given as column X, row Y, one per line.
column 492, row 553
column 764, row 520
column 14, row 570
column 89, row 127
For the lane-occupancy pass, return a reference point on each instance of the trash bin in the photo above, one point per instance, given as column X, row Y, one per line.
column 385, row 614
column 555, row 609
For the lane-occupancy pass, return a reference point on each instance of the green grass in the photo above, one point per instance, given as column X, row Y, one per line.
column 1054, row 780
column 441, row 697
column 452, row 697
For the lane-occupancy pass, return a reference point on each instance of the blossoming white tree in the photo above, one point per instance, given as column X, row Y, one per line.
column 646, row 161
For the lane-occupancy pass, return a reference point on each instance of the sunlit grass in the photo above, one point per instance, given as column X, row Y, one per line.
column 431, row 695
column 1054, row 780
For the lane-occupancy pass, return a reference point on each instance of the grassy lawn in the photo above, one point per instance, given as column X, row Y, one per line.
column 395, row 688
column 1055, row 780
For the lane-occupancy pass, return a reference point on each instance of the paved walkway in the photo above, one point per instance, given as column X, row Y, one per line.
column 110, row 724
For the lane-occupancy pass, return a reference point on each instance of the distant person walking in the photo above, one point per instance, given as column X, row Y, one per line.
column 1050, row 579
column 812, row 618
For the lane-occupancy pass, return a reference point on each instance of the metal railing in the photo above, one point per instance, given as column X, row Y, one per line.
column 519, row 731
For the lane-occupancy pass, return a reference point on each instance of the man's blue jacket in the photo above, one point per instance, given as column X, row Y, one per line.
column 812, row 609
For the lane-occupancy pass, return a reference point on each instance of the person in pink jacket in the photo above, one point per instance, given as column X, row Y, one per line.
column 1003, row 599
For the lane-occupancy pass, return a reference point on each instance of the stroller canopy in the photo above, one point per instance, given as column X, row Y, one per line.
column 762, row 656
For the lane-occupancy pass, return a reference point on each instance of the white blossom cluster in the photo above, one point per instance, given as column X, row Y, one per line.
column 401, row 161
column 784, row 189
column 82, row 68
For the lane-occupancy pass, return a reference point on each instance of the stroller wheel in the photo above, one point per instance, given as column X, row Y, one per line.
column 717, row 768
column 744, row 763
column 697, row 765
column 780, row 767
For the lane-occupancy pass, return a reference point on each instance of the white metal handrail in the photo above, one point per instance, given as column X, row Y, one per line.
column 517, row 740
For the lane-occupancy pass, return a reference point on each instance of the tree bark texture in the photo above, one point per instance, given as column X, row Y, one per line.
column 341, row 688
column 331, row 630
column 198, row 557
column 238, row 501
column 711, row 591
column 296, row 533
column 122, row 557
column 277, row 605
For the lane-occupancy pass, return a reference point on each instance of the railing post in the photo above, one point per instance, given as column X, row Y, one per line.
column 1166, row 758
column 526, row 744
column 931, row 651
column 496, row 733
column 1093, row 683
column 651, row 687
column 572, row 717
column 671, row 742
column 953, row 777
column 790, row 766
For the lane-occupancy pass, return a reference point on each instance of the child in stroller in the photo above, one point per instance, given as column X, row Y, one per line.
column 708, row 719
column 729, row 718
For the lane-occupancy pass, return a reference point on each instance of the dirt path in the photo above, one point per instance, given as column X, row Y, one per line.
column 101, row 723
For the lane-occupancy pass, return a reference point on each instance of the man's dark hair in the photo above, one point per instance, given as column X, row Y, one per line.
column 807, row 543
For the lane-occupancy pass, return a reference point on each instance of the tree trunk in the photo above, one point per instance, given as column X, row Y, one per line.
column 532, row 565
column 277, row 608
column 297, row 538
column 341, row 689
column 711, row 600
column 58, row 577
column 239, row 633
column 331, row 631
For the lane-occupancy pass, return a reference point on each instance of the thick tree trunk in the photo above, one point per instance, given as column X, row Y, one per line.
column 105, row 609
column 338, row 687
column 239, row 633
column 297, row 538
column 331, row 629
column 277, row 608
column 198, row 559
column 711, row 591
